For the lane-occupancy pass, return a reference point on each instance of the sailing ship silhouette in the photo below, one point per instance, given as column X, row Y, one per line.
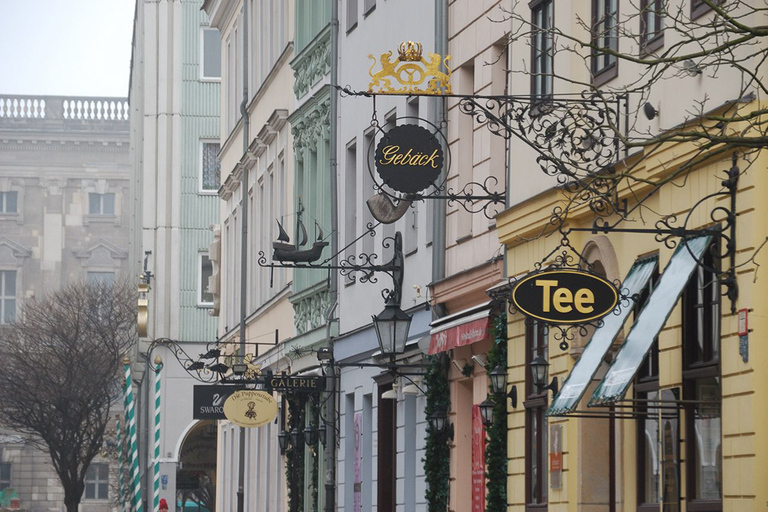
column 284, row 250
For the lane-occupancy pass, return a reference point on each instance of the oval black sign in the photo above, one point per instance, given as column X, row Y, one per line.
column 409, row 158
column 564, row 296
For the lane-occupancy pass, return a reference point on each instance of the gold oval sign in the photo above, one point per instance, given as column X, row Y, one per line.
column 248, row 408
column 564, row 296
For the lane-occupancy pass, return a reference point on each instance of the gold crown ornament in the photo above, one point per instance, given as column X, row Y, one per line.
column 410, row 52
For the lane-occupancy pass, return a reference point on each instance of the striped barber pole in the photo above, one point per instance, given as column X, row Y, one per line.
column 120, row 479
column 156, row 475
column 138, row 506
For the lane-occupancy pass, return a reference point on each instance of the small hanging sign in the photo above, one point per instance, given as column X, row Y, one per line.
column 409, row 158
column 564, row 296
column 248, row 408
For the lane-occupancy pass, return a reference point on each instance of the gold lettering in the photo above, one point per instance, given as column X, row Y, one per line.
column 584, row 298
column 431, row 160
column 561, row 298
column 389, row 152
column 546, row 284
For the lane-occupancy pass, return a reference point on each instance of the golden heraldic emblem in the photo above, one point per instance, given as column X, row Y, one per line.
column 249, row 408
column 411, row 71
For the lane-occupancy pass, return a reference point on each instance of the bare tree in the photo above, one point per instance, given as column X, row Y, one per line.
column 61, row 374
column 587, row 130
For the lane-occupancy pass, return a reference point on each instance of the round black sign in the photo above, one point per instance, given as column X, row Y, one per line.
column 409, row 158
column 564, row 296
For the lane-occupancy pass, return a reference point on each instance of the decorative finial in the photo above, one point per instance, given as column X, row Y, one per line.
column 158, row 360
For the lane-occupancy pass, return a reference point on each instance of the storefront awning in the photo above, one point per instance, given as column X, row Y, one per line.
column 463, row 328
column 650, row 321
column 585, row 368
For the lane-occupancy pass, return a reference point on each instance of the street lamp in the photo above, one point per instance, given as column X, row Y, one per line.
column 295, row 437
column 486, row 412
column 282, row 441
column 498, row 379
column 392, row 327
column 438, row 422
column 539, row 371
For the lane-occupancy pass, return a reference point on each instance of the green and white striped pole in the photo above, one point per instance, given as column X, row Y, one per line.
column 156, row 475
column 138, row 506
column 120, row 479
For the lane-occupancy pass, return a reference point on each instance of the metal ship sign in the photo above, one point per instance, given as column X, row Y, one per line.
column 409, row 158
column 564, row 296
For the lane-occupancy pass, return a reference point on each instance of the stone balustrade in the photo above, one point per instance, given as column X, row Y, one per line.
column 63, row 108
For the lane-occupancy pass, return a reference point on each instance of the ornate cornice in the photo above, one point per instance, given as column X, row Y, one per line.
column 312, row 63
column 312, row 127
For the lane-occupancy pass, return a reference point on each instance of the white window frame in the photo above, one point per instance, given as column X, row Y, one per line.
column 4, row 202
column 200, row 189
column 101, row 212
column 4, row 484
column 96, row 482
column 199, row 285
column 4, row 298
column 98, row 271
column 201, row 65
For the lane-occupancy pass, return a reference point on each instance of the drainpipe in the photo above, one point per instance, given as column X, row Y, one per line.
column 438, row 224
column 330, row 408
column 243, row 247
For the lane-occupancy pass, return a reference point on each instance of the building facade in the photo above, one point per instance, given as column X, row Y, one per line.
column 64, row 217
column 174, row 92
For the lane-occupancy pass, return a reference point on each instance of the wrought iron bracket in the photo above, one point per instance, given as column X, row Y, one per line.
column 362, row 263
column 723, row 230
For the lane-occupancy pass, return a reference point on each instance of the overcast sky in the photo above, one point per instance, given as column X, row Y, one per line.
column 65, row 47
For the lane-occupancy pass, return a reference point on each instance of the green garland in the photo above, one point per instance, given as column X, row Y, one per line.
column 294, row 455
column 496, row 447
column 314, row 414
column 437, row 452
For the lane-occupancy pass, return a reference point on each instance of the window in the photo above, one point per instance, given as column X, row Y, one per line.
column 5, row 475
column 605, row 37
column 8, row 202
column 7, row 296
column 651, row 25
column 101, row 278
column 542, row 49
column 101, row 204
column 368, row 6
column 701, row 385
column 387, row 451
column 210, row 167
column 204, row 295
column 210, row 61
column 351, row 15
column 97, row 482
column 536, row 452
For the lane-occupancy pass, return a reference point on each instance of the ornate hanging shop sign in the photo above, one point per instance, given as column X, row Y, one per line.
column 564, row 296
column 249, row 409
column 409, row 158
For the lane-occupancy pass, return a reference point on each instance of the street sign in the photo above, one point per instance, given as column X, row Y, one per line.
column 565, row 296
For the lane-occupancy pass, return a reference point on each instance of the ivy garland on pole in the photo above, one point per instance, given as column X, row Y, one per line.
column 437, row 452
column 294, row 455
column 496, row 446
column 314, row 414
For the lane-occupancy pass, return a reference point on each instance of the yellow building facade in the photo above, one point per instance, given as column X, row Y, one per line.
column 705, row 446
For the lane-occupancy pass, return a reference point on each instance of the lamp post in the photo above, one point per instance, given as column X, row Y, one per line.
column 486, row 412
